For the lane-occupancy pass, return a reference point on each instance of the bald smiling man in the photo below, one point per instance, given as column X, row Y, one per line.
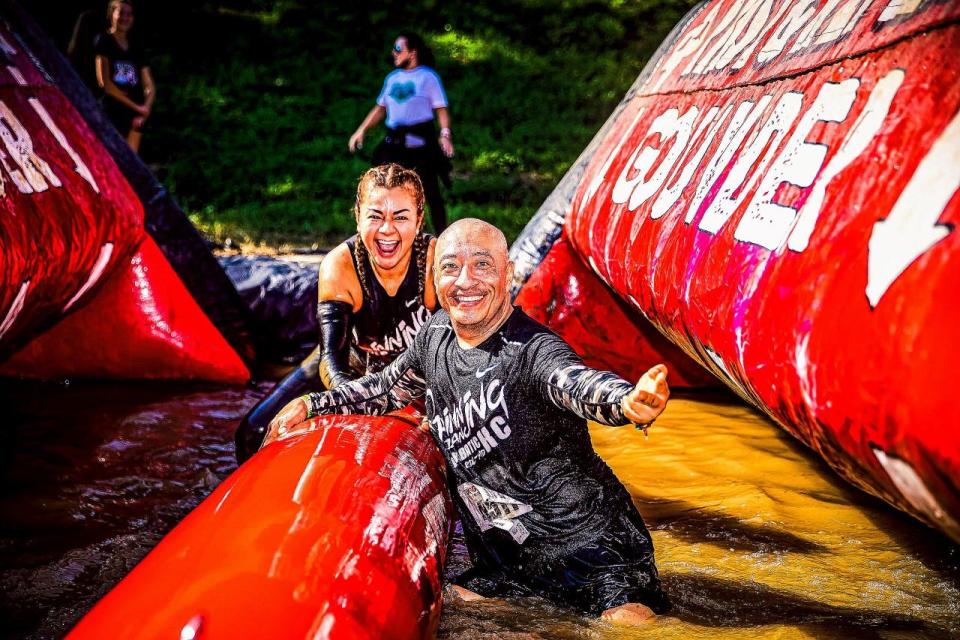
column 507, row 402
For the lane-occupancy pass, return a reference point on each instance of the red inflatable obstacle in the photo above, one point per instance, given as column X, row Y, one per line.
column 67, row 215
column 340, row 533
column 564, row 295
column 778, row 195
column 72, row 215
column 144, row 321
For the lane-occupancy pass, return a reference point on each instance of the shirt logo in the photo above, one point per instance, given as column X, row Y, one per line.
column 124, row 74
column 483, row 372
column 402, row 91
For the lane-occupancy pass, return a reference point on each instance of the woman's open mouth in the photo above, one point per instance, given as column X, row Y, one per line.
column 387, row 248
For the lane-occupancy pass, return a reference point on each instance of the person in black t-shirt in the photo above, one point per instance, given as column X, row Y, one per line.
column 124, row 75
column 507, row 401
column 375, row 291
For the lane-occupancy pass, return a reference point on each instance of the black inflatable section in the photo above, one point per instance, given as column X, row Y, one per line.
column 164, row 220
column 282, row 299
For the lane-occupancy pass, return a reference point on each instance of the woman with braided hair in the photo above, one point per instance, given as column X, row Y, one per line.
column 375, row 292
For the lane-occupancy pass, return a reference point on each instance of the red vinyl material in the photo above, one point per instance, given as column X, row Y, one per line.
column 339, row 533
column 564, row 295
column 68, row 217
column 779, row 197
column 143, row 324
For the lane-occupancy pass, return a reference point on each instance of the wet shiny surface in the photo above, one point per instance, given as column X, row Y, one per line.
column 92, row 477
column 755, row 536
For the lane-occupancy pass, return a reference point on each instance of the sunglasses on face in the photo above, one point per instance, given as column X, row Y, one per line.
column 397, row 48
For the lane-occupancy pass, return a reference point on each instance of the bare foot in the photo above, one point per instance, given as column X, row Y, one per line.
column 465, row 594
column 628, row 615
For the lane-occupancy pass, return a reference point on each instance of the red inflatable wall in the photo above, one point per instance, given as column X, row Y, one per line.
column 564, row 295
column 71, row 220
column 143, row 323
column 340, row 534
column 779, row 197
column 68, row 217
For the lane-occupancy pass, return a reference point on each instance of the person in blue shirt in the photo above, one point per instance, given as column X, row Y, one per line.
column 411, row 99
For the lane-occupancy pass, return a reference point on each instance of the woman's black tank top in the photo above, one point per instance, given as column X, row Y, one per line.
column 384, row 326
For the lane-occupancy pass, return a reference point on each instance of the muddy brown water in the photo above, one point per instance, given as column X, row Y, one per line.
column 755, row 536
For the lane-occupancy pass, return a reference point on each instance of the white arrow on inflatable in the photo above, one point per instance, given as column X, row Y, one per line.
column 911, row 229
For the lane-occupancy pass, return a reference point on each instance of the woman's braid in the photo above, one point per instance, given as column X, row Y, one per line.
column 420, row 252
column 360, row 257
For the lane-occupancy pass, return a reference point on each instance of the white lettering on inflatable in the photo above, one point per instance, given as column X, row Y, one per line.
column 602, row 174
column 6, row 47
column 34, row 173
column 736, row 166
column 740, row 46
column 743, row 120
column 728, row 35
column 809, row 35
column 861, row 133
column 688, row 43
column 15, row 308
column 751, row 160
column 16, row 75
column 641, row 160
column 78, row 164
column 670, row 194
column 800, row 13
column 766, row 222
column 102, row 260
column 911, row 229
column 844, row 19
column 639, row 188
column 712, row 45
column 897, row 8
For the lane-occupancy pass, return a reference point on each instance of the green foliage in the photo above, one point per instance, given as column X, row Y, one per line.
column 257, row 100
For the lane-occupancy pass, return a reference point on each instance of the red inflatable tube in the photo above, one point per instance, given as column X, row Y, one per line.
column 339, row 533
column 564, row 295
column 143, row 324
column 780, row 197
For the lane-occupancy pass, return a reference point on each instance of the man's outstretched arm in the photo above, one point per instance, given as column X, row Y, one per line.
column 375, row 394
column 601, row 396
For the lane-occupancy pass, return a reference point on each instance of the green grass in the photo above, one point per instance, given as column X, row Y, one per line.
column 257, row 100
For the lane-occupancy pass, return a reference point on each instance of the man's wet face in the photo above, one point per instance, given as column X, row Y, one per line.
column 473, row 275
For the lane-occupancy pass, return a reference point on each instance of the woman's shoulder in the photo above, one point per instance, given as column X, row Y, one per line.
column 103, row 43
column 337, row 261
column 338, row 279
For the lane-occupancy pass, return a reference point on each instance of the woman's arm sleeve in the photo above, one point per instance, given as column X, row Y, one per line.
column 333, row 317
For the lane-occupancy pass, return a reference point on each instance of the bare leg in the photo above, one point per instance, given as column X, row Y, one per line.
column 133, row 139
column 628, row 615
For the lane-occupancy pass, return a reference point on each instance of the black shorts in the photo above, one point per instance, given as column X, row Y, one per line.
column 615, row 569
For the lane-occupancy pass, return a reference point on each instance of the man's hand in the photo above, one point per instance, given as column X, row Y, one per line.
column 283, row 423
column 356, row 141
column 648, row 399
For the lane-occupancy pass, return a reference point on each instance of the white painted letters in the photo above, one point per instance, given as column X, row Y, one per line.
column 911, row 229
